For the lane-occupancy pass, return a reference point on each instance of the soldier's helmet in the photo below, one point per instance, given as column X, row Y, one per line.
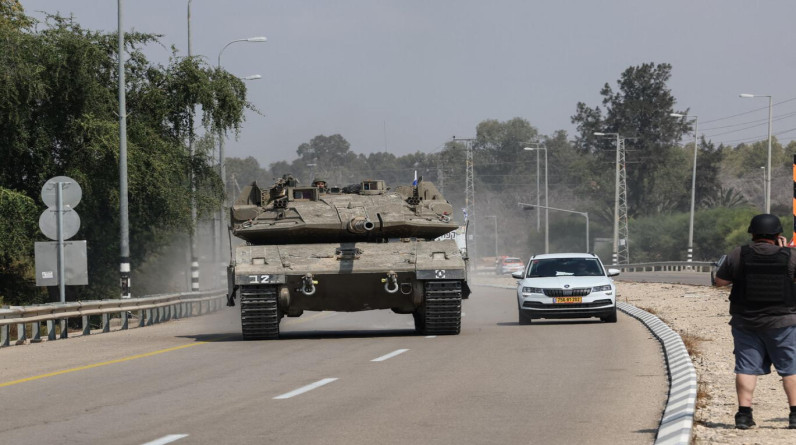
column 765, row 224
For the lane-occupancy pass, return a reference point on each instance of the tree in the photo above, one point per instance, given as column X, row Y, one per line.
column 499, row 157
column 639, row 109
column 330, row 150
column 17, row 234
column 58, row 105
column 708, row 171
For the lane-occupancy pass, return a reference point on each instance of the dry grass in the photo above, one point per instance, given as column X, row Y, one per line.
column 703, row 397
column 648, row 309
column 691, row 342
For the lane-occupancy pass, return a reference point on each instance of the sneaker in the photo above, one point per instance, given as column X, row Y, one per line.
column 792, row 421
column 744, row 421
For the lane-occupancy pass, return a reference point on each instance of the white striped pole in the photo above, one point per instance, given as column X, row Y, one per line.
column 194, row 274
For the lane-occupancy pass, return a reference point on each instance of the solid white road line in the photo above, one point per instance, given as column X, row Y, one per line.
column 167, row 439
column 431, row 336
column 390, row 355
column 304, row 389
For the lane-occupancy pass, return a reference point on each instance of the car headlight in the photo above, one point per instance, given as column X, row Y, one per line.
column 603, row 288
column 532, row 290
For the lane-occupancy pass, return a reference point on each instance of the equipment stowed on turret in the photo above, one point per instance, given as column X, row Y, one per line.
column 358, row 248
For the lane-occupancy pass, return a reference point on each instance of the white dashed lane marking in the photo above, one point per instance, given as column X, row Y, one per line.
column 389, row 356
column 167, row 439
column 304, row 389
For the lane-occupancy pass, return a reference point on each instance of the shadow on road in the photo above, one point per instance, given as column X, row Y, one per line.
column 309, row 335
column 544, row 322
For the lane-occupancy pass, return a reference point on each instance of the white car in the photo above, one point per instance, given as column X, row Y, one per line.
column 509, row 265
column 566, row 285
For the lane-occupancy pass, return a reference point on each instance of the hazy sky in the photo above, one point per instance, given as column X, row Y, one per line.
column 406, row 75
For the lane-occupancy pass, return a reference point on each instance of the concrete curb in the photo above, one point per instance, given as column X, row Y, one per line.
column 678, row 416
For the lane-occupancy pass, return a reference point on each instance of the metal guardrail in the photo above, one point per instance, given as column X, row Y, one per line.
column 664, row 266
column 660, row 266
column 151, row 310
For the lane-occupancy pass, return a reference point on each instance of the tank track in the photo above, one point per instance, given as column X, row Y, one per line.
column 259, row 312
column 441, row 313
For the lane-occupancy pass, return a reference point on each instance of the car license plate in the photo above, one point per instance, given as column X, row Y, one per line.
column 568, row 300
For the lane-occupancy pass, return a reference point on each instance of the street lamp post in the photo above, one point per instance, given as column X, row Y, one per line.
column 585, row 214
column 496, row 235
column 221, row 157
column 546, row 196
column 765, row 189
column 538, row 195
column 693, row 184
column 768, row 162
column 616, row 197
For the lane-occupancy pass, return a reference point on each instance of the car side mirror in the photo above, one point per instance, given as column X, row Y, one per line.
column 517, row 275
column 613, row 272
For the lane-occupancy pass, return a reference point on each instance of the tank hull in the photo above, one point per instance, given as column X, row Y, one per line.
column 349, row 277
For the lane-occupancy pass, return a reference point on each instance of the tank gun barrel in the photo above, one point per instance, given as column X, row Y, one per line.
column 360, row 224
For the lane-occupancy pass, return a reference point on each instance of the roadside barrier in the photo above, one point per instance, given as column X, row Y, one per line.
column 664, row 266
column 150, row 310
column 678, row 417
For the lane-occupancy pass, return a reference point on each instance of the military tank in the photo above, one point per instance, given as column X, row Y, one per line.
column 355, row 248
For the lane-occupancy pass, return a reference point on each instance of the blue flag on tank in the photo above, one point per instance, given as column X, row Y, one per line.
column 414, row 183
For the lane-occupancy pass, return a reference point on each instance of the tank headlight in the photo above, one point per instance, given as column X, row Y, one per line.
column 532, row 290
column 603, row 288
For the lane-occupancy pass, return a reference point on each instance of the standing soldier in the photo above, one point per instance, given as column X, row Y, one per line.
column 763, row 313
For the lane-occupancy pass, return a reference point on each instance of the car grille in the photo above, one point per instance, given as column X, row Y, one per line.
column 567, row 292
column 536, row 304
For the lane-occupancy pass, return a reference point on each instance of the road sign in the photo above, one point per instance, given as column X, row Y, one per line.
column 75, row 269
column 48, row 223
column 70, row 191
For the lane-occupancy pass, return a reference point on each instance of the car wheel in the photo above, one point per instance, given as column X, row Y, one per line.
column 525, row 318
column 611, row 318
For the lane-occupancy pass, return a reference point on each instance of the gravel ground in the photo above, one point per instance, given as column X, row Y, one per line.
column 700, row 315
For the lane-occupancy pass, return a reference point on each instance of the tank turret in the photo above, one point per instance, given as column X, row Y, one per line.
column 368, row 211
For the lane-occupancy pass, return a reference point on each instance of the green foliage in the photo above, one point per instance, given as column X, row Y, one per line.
column 665, row 237
column 726, row 197
column 58, row 116
column 12, row 16
column 17, row 231
column 657, row 174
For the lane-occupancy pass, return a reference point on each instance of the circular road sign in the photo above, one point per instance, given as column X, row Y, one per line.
column 49, row 224
column 70, row 191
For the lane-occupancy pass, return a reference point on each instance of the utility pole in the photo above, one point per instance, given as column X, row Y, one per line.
column 124, row 266
column 623, row 251
column 620, row 253
column 440, row 177
column 192, row 233
column 469, row 193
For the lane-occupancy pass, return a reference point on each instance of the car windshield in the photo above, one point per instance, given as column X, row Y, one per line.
column 554, row 267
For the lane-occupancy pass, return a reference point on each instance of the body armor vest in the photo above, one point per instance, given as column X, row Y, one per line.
column 763, row 279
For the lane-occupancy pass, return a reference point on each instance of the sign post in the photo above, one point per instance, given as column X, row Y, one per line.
column 59, row 223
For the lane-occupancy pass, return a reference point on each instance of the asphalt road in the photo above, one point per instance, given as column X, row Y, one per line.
column 196, row 381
